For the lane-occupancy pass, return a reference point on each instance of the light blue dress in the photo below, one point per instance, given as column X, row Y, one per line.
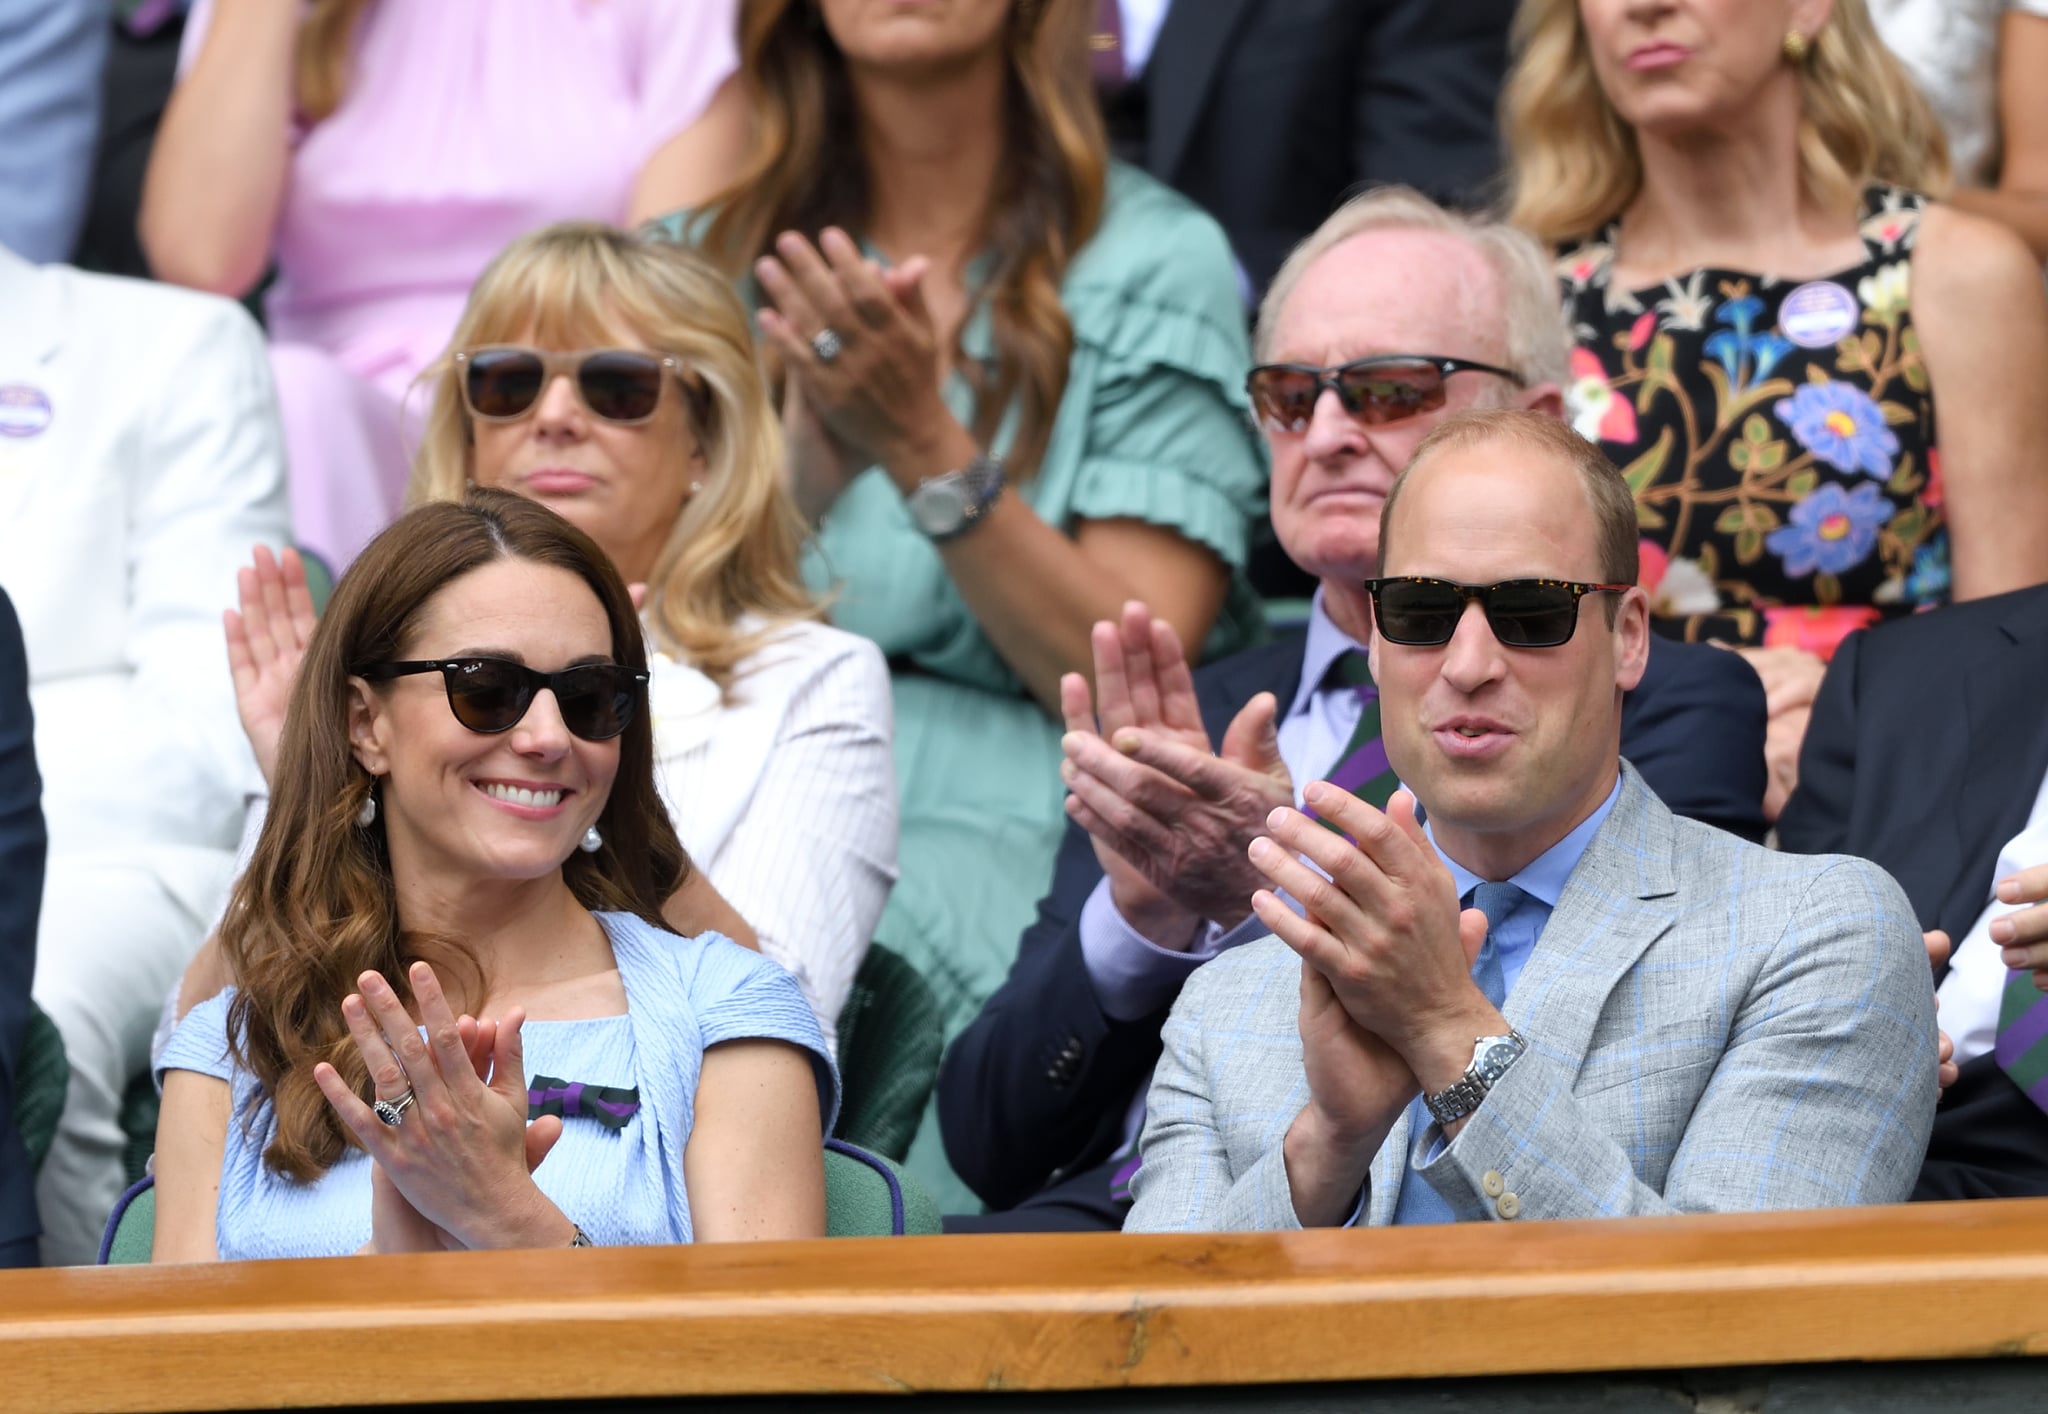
column 622, row 1186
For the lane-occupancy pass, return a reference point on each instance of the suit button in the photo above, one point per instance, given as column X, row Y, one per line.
column 1492, row 1184
column 1508, row 1206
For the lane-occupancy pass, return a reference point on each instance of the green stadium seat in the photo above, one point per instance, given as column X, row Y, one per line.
column 890, row 1036
column 39, row 1090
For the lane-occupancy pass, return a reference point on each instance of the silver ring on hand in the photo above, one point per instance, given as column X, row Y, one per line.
column 392, row 1112
column 827, row 345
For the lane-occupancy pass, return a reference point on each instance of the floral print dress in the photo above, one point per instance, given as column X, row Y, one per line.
column 1779, row 437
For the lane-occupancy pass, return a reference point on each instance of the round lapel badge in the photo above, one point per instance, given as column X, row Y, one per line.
column 1819, row 315
column 24, row 411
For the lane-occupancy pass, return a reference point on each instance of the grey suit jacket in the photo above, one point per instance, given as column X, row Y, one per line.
column 1712, row 1026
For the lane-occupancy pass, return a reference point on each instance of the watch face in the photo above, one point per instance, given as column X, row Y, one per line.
column 939, row 507
column 1495, row 1062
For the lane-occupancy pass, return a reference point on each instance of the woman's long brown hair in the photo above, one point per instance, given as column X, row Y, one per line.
column 805, row 170
column 316, row 908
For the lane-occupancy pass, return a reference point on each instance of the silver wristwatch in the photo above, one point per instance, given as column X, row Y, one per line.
column 944, row 506
column 1491, row 1057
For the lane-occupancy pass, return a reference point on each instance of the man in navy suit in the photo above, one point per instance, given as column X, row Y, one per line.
column 1172, row 775
column 1927, row 752
column 21, row 893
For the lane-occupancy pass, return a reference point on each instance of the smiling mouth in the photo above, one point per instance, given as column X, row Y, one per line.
column 518, row 795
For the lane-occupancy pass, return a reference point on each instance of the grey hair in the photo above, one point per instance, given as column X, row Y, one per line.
column 1538, row 344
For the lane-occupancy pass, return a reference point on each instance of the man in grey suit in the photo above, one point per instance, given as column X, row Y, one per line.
column 1557, row 999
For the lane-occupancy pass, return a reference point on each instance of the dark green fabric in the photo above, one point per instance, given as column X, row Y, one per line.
column 45, row 1075
column 890, row 1035
column 857, row 1201
column 138, row 1123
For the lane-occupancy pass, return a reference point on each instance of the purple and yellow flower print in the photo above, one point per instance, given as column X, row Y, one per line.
column 1832, row 530
column 1841, row 425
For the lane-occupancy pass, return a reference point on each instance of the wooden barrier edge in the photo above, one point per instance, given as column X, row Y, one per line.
column 1962, row 1281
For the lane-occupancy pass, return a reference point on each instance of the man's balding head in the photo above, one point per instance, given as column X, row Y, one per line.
column 1393, row 273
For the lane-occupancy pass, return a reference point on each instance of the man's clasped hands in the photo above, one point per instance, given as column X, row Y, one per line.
column 1194, row 841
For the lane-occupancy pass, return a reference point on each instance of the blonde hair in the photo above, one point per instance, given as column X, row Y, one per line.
column 805, row 170
column 321, row 57
column 733, row 551
column 1537, row 342
column 1573, row 164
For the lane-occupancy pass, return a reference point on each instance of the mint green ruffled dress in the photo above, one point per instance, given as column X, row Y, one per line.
column 1154, row 425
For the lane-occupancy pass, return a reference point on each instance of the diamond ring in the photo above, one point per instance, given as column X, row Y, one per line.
column 826, row 344
column 392, row 1112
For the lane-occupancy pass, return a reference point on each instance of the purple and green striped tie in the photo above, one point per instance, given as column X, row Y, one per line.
column 1361, row 767
column 2022, row 1045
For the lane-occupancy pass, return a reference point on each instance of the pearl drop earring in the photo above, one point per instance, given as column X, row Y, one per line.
column 366, row 815
column 592, row 841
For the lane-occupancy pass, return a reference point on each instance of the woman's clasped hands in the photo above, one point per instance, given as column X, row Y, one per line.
column 861, row 347
column 454, row 1159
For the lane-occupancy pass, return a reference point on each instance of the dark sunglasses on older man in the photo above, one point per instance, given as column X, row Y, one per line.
column 1523, row 613
column 502, row 383
column 1384, row 388
column 489, row 695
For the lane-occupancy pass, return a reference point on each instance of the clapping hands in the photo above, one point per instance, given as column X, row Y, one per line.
column 267, row 639
column 1170, row 818
column 455, row 1171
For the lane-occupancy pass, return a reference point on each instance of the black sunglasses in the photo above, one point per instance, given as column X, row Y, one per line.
column 1523, row 613
column 502, row 383
column 1381, row 389
column 489, row 695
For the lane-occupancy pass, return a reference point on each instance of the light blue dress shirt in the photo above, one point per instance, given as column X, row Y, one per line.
column 1514, row 938
column 53, row 56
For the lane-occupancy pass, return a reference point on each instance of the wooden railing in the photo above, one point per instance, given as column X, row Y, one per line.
column 1950, row 1282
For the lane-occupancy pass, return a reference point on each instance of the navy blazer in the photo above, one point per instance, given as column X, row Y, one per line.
column 22, row 848
column 1925, row 751
column 1267, row 113
column 1035, row 1091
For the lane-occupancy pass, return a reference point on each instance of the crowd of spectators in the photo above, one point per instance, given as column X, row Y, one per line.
column 1403, row 612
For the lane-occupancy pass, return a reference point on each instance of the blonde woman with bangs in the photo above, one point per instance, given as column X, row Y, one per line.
column 1013, row 382
column 1825, row 388
column 613, row 380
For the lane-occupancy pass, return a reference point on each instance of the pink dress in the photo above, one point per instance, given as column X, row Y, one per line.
column 466, row 123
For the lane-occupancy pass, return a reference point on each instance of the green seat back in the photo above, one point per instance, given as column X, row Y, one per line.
column 890, row 1036
column 863, row 1192
column 39, row 1092
column 134, row 1230
column 858, row 1203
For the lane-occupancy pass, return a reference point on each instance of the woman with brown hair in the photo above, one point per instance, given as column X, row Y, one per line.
column 1771, row 322
column 465, row 795
column 1013, row 379
column 378, row 153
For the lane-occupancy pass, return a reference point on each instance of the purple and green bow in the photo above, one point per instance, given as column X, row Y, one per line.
column 609, row 1105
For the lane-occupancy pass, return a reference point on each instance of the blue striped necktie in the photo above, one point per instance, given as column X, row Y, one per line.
column 1419, row 1203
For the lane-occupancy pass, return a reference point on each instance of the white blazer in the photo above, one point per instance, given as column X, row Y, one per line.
column 786, row 796
column 140, row 459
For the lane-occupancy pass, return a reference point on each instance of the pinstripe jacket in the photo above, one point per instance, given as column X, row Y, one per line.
column 1712, row 1026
